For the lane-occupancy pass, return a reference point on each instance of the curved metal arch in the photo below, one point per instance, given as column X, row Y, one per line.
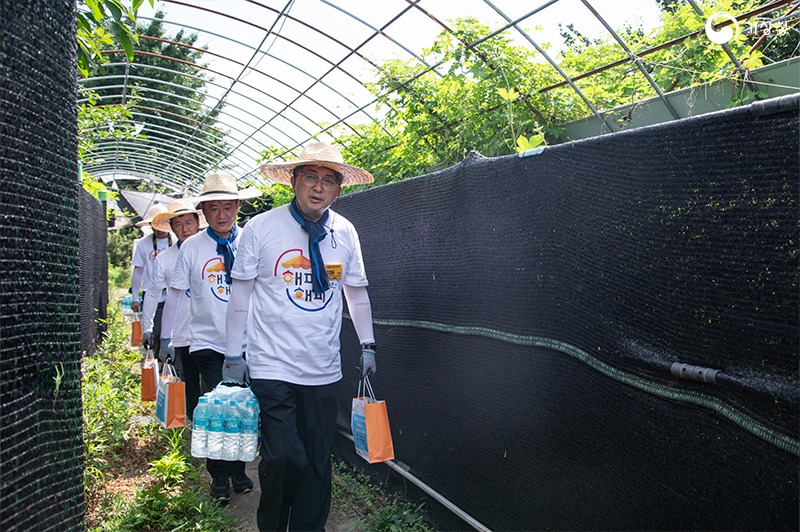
column 136, row 169
column 225, row 123
column 222, row 154
column 334, row 66
column 515, row 24
column 137, row 147
column 202, row 143
column 212, row 163
column 253, row 87
column 635, row 59
column 209, row 82
column 210, row 147
column 265, row 74
column 288, row 17
column 277, row 58
column 144, row 163
column 249, row 131
column 302, row 93
column 188, row 169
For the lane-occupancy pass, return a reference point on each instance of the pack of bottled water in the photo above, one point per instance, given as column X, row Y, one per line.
column 225, row 424
column 125, row 306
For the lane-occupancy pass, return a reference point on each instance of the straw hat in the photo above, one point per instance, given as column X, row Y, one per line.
column 156, row 208
column 176, row 208
column 317, row 154
column 221, row 187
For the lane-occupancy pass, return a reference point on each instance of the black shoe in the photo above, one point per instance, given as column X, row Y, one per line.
column 241, row 483
column 221, row 489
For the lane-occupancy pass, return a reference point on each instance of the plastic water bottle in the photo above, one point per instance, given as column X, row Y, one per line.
column 200, row 428
column 248, row 446
column 233, row 427
column 125, row 307
column 216, row 430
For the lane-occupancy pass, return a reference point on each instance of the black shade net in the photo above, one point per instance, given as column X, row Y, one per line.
column 532, row 314
column 41, row 448
column 93, row 269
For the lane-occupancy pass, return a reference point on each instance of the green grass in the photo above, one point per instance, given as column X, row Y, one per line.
column 172, row 495
column 117, row 447
column 377, row 510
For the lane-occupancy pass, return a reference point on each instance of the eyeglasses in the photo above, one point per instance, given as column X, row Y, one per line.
column 177, row 226
column 310, row 180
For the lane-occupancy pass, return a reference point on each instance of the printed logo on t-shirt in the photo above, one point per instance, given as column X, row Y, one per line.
column 294, row 269
column 213, row 273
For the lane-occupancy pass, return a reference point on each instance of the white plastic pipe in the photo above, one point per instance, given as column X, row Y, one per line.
column 433, row 493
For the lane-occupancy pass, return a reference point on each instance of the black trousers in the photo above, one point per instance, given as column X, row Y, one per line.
column 190, row 375
column 298, row 425
column 157, row 327
column 209, row 364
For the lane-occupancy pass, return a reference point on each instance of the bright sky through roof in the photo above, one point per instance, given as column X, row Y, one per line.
column 296, row 88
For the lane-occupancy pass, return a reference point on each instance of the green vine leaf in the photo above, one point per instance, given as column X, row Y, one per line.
column 529, row 143
column 508, row 95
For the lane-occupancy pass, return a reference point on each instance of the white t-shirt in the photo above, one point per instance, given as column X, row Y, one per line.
column 200, row 268
column 294, row 334
column 160, row 278
column 144, row 256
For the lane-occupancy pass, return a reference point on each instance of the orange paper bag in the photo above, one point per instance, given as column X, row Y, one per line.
column 369, row 423
column 171, row 399
column 149, row 377
column 136, row 330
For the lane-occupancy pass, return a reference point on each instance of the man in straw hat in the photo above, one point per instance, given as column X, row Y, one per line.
column 182, row 219
column 203, row 266
column 293, row 265
column 145, row 251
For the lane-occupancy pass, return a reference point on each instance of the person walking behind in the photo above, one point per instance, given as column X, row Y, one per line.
column 293, row 265
column 145, row 251
column 182, row 219
column 203, row 267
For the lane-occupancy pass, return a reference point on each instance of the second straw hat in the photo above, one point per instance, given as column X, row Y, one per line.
column 221, row 187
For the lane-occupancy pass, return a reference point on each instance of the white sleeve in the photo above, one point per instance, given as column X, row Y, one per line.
column 360, row 312
column 169, row 312
column 236, row 315
column 151, row 298
column 152, row 295
column 136, row 282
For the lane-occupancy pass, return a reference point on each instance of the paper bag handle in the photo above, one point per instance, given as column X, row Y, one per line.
column 168, row 370
column 366, row 388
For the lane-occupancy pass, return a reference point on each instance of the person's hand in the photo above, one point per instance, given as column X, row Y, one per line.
column 166, row 353
column 135, row 306
column 233, row 369
column 147, row 339
column 367, row 364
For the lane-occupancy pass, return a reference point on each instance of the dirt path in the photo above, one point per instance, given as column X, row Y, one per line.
column 243, row 507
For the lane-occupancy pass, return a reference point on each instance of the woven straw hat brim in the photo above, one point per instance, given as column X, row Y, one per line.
column 282, row 172
column 161, row 221
column 156, row 209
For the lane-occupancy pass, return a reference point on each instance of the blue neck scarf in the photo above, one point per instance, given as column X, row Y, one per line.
column 316, row 234
column 225, row 249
